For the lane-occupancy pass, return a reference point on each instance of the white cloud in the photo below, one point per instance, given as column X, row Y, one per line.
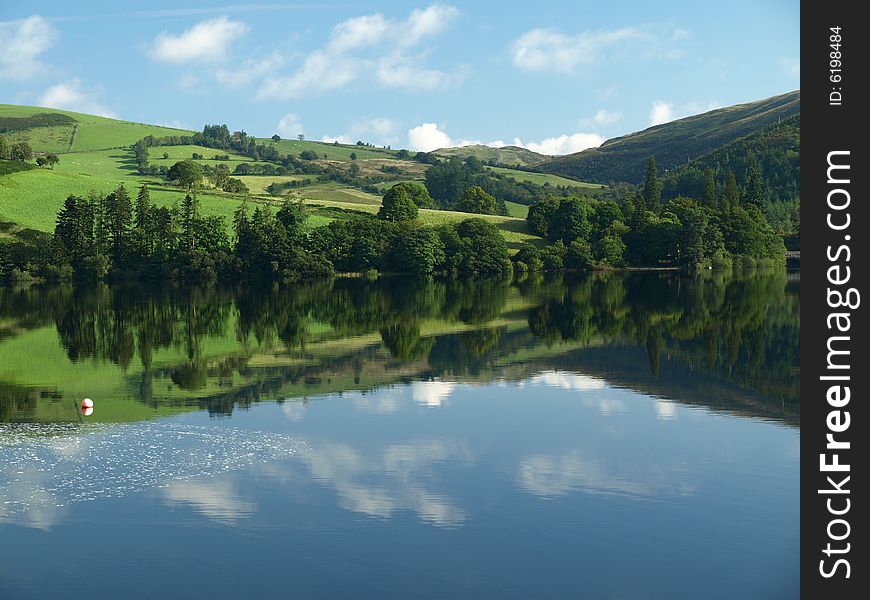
column 432, row 393
column 568, row 381
column 250, row 71
column 208, row 40
column 379, row 131
column 565, row 144
column 550, row 50
column 217, row 500
column 429, row 136
column 289, row 126
column 602, row 118
column 370, row 47
column 175, row 124
column 72, row 95
column 792, row 66
column 661, row 112
column 22, row 42
column 664, row 112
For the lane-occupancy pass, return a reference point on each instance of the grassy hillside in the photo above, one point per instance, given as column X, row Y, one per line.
column 507, row 155
column 543, row 178
column 673, row 144
column 80, row 132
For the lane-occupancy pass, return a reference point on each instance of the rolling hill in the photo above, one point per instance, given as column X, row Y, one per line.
column 506, row 155
column 673, row 144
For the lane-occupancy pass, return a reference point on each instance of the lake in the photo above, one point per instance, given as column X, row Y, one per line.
column 622, row 435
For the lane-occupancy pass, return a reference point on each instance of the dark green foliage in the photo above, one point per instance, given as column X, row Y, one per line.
column 419, row 194
column 20, row 151
column 571, row 220
column 475, row 246
column 652, row 187
column 8, row 124
column 398, row 205
column 527, row 258
column 118, row 219
column 415, row 250
column 579, row 255
column 186, row 173
column 14, row 166
column 540, row 214
column 235, row 186
column 476, row 200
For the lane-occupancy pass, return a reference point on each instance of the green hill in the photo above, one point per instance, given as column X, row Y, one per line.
column 673, row 144
column 506, row 155
column 61, row 131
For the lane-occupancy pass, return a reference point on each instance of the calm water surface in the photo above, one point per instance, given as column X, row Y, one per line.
column 622, row 436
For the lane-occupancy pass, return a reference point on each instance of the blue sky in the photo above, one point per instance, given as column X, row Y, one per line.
column 554, row 76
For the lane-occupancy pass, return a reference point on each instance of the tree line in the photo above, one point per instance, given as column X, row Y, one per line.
column 723, row 227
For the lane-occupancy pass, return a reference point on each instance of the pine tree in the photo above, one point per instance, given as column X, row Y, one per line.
column 143, row 208
column 119, row 215
column 652, row 187
column 731, row 194
column 709, row 188
column 754, row 189
column 189, row 222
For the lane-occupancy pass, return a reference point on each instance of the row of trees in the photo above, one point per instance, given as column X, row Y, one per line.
column 586, row 233
column 117, row 236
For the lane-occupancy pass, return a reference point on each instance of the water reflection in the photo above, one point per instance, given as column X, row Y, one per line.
column 713, row 339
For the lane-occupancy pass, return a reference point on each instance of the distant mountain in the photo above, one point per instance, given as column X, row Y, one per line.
column 673, row 144
column 506, row 155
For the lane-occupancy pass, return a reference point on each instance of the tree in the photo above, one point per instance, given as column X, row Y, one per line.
column 187, row 173
column 709, row 188
column 219, row 175
column 479, row 249
column 419, row 194
column 540, row 215
column 476, row 200
column 416, row 250
column 40, row 161
column 190, row 222
column 276, row 138
column 74, row 230
column 51, row 159
column 119, row 215
column 731, row 193
column 165, row 155
column 652, row 187
column 4, row 149
column 397, row 205
column 353, row 155
column 301, row 137
column 754, row 182
column 572, row 220
column 143, row 208
column 21, row 151
column 235, row 186
column 579, row 255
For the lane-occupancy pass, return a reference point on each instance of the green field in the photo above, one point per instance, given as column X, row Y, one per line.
column 90, row 132
column 543, row 178
column 517, row 210
column 332, row 151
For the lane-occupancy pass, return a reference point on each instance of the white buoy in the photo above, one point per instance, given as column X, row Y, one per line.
column 87, row 411
column 87, row 403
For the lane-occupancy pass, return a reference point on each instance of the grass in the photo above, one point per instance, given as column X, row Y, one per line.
column 543, row 178
column 176, row 153
column 258, row 183
column 91, row 132
column 33, row 198
column 517, row 210
column 332, row 151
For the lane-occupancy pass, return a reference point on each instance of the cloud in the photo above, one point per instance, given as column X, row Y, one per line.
column 380, row 131
column 217, row 500
column 792, row 66
column 429, row 136
column 432, row 393
column 602, row 118
column 250, row 71
column 289, row 126
column 22, row 42
column 72, row 95
column 661, row 112
column 175, row 124
column 568, row 381
column 550, row 50
column 565, row 144
column 370, row 47
column 208, row 40
column 664, row 112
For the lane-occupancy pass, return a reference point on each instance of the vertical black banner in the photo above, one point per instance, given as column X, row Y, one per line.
column 834, row 229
